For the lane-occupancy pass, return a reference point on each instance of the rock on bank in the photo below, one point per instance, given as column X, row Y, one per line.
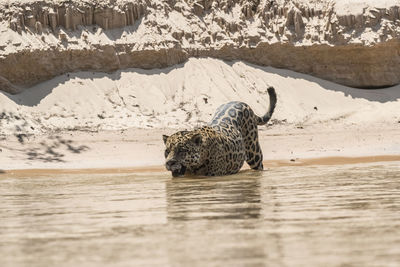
column 355, row 43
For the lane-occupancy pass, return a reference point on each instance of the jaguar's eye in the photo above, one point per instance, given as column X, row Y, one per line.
column 166, row 153
column 182, row 151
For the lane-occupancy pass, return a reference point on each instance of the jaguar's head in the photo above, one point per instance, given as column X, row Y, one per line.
column 183, row 151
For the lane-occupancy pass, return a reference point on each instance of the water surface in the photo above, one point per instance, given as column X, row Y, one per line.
column 289, row 216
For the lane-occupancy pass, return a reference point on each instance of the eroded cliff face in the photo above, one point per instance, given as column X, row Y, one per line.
column 42, row 39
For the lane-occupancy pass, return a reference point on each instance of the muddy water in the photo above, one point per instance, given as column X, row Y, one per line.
column 289, row 216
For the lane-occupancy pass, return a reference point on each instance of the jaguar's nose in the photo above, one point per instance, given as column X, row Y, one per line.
column 170, row 163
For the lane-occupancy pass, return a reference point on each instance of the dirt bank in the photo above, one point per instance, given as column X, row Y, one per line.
column 351, row 43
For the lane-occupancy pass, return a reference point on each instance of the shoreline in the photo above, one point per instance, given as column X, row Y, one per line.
column 320, row 161
column 142, row 150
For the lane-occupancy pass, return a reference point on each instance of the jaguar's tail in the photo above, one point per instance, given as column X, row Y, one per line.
column 272, row 103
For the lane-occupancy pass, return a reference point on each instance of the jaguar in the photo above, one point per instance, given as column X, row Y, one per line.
column 222, row 146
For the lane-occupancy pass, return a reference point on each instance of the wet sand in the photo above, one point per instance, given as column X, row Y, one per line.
column 323, row 161
column 332, row 161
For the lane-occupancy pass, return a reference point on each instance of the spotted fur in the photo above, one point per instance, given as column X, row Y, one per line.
column 221, row 147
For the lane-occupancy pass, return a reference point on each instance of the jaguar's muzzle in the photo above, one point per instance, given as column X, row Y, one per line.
column 176, row 168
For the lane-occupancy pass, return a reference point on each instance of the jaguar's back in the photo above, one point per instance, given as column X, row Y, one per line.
column 236, row 117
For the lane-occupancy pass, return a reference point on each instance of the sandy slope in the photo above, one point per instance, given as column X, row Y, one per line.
column 187, row 95
column 313, row 117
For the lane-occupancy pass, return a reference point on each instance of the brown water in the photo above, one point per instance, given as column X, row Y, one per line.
column 290, row 216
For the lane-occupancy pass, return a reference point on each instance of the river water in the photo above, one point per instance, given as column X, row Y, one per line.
column 289, row 216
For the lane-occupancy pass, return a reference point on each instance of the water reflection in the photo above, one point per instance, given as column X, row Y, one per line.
column 214, row 220
column 231, row 197
column 294, row 216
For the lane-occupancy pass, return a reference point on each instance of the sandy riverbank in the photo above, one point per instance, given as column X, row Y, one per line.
column 96, row 120
column 142, row 150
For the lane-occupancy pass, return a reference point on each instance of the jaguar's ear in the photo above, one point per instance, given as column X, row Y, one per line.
column 165, row 137
column 197, row 139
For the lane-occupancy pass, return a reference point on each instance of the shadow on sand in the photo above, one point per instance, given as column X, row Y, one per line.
column 382, row 95
column 52, row 149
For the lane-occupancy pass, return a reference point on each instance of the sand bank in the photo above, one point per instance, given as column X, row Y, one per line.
column 97, row 120
column 187, row 95
column 353, row 43
column 142, row 149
